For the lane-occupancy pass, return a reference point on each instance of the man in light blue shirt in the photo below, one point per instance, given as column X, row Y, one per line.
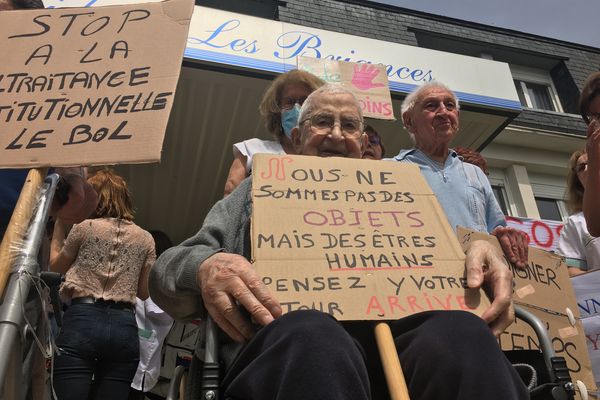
column 431, row 116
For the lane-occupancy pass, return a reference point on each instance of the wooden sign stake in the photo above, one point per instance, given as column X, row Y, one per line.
column 391, row 363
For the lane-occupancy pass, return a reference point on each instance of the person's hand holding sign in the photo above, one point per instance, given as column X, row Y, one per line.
column 486, row 268
column 226, row 280
column 514, row 244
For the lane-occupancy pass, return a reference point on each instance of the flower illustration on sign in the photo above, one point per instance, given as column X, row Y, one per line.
column 364, row 75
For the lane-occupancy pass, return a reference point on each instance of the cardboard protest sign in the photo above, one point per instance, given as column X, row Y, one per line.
column 358, row 239
column 89, row 85
column 544, row 289
column 587, row 290
column 368, row 82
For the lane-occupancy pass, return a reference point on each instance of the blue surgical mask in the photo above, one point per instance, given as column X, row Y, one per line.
column 289, row 119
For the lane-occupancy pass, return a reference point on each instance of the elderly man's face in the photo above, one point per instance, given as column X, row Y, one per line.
column 434, row 118
column 334, row 128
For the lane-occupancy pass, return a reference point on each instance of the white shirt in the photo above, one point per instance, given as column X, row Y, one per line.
column 254, row 146
column 153, row 326
column 581, row 249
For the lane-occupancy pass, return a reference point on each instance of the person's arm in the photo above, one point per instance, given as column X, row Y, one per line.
column 61, row 257
column 173, row 284
column 486, row 268
column 172, row 281
column 571, row 247
column 591, row 195
column 237, row 173
column 142, row 290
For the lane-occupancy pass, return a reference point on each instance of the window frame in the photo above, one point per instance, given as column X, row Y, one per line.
column 550, row 187
column 498, row 179
column 525, row 75
column 559, row 205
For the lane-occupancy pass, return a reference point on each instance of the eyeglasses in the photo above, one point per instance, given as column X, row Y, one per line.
column 288, row 102
column 580, row 167
column 324, row 123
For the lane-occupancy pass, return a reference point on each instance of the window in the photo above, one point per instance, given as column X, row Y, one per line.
column 535, row 95
column 535, row 88
column 549, row 209
column 500, row 198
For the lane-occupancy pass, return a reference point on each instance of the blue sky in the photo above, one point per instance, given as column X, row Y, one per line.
column 576, row 21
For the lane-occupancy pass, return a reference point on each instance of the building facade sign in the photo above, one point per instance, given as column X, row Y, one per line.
column 240, row 40
column 243, row 41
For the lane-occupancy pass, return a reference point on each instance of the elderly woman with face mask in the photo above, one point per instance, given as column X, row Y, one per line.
column 280, row 108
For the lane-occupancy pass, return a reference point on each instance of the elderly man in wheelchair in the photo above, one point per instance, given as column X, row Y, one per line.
column 308, row 354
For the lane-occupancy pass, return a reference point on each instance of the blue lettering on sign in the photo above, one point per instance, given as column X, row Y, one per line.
column 293, row 44
column 589, row 306
column 216, row 42
column 299, row 43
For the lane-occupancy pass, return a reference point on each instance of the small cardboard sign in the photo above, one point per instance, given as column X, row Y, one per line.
column 358, row 239
column 368, row 82
column 544, row 289
column 89, row 85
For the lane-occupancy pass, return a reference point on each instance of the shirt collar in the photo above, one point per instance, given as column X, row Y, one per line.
column 405, row 153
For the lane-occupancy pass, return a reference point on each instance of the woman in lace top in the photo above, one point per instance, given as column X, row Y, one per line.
column 106, row 261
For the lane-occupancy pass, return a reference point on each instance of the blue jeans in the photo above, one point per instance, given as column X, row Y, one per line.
column 99, row 353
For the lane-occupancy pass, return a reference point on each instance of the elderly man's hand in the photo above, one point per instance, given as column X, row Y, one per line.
column 514, row 244
column 486, row 267
column 227, row 279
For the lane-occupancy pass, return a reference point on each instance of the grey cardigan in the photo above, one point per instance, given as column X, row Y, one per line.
column 173, row 280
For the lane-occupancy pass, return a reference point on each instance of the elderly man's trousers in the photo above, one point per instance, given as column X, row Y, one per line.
column 309, row 355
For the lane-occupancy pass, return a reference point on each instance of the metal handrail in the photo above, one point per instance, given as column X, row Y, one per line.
column 12, row 319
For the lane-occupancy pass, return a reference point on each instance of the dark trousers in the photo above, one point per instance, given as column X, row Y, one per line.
column 308, row 355
column 99, row 353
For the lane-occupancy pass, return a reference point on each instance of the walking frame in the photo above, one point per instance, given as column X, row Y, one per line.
column 20, row 270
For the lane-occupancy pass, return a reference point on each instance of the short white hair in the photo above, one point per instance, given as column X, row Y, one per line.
column 308, row 106
column 411, row 100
